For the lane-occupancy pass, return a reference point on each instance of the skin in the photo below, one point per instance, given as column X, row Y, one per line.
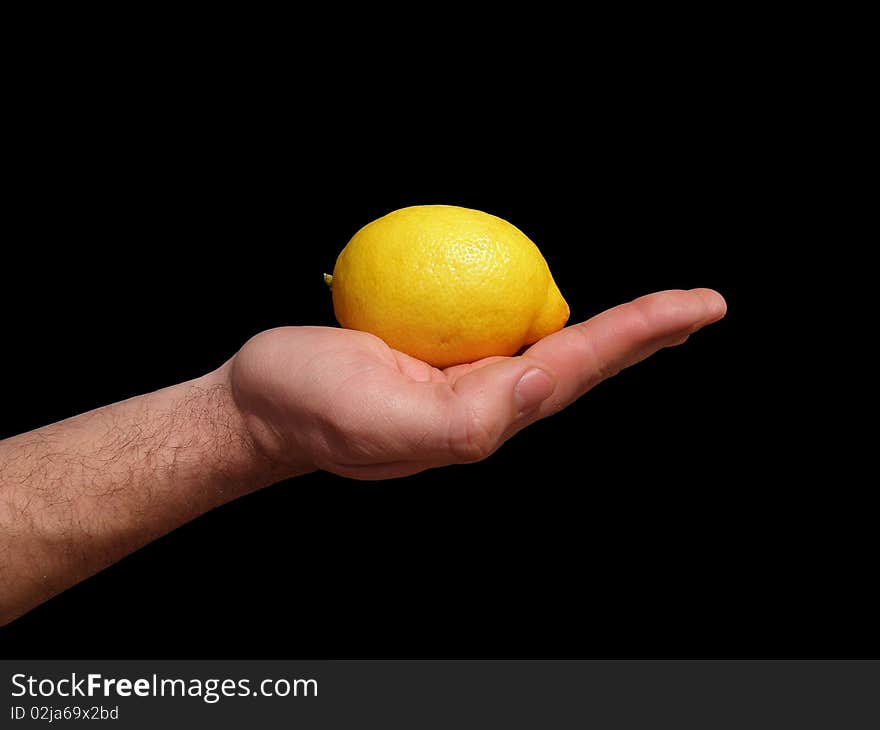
column 80, row 494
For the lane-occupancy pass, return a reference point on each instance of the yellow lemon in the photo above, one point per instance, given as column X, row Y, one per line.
column 447, row 285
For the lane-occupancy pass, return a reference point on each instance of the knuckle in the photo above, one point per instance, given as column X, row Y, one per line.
column 599, row 369
column 665, row 310
column 644, row 313
column 471, row 440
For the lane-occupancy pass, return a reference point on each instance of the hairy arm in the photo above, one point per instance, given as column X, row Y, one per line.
column 80, row 494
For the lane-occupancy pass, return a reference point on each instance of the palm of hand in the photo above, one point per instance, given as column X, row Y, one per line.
column 343, row 401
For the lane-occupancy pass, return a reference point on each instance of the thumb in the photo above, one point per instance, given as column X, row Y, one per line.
column 497, row 400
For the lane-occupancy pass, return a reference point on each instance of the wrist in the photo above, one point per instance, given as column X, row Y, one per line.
column 260, row 442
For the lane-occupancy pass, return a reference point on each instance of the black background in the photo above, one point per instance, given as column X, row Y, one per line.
column 161, row 215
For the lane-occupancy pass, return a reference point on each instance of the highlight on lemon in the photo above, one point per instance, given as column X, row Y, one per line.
column 447, row 285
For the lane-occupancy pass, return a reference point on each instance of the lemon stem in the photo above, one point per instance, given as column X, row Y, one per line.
column 328, row 280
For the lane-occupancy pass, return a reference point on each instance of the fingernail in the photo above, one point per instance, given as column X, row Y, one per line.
column 533, row 388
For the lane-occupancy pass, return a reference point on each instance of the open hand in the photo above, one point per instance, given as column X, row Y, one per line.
column 343, row 401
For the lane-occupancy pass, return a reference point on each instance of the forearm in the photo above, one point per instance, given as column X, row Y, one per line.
column 80, row 494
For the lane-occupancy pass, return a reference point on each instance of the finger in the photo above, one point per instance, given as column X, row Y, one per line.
column 585, row 354
column 500, row 398
column 458, row 371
